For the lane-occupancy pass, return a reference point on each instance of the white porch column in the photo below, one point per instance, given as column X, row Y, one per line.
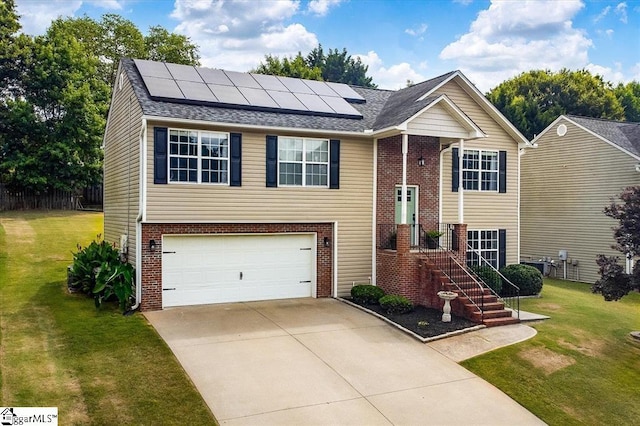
column 405, row 149
column 460, row 186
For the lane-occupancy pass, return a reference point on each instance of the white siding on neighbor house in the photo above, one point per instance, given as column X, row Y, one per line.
column 483, row 210
column 566, row 183
column 351, row 206
column 437, row 121
column 122, row 167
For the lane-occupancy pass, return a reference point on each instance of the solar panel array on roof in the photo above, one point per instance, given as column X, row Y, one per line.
column 185, row 83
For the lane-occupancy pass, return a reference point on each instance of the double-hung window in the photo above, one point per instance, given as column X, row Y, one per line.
column 480, row 170
column 484, row 242
column 303, row 162
column 198, row 157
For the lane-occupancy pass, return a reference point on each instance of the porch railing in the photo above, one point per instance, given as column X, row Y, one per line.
column 509, row 293
column 387, row 236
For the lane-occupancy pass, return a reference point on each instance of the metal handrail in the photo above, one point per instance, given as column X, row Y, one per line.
column 506, row 300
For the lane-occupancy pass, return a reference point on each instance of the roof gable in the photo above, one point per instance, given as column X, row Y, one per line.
column 624, row 136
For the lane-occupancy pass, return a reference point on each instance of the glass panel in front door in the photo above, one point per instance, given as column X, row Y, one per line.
column 411, row 211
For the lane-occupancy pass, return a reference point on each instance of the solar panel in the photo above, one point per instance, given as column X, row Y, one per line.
column 287, row 100
column 163, row 87
column 346, row 92
column 152, row 69
column 196, row 91
column 228, row 94
column 341, row 106
column 184, row 72
column 320, row 88
column 213, row 76
column 295, row 85
column 241, row 79
column 258, row 97
column 314, row 103
column 270, row 82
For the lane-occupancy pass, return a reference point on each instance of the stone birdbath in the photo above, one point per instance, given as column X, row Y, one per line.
column 447, row 296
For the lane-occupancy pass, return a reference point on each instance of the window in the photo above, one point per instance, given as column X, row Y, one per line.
column 199, row 157
column 486, row 243
column 303, row 162
column 480, row 170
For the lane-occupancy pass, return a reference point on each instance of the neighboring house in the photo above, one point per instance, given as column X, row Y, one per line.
column 579, row 165
column 224, row 186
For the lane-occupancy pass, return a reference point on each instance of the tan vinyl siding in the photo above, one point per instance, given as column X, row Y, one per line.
column 350, row 206
column 437, row 121
column 121, row 167
column 483, row 210
column 566, row 183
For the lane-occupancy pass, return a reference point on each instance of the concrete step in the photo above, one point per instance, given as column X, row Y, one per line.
column 495, row 322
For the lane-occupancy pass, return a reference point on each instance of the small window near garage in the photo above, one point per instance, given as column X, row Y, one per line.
column 198, row 156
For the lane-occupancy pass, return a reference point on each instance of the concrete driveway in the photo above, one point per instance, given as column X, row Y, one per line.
column 320, row 361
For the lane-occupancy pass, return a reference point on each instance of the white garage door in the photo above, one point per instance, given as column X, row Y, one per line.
column 234, row 268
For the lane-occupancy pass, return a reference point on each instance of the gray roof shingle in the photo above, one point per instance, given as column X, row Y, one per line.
column 626, row 135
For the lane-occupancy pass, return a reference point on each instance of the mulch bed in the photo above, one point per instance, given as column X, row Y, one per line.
column 433, row 317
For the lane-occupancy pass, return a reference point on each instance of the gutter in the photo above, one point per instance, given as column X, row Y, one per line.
column 141, row 211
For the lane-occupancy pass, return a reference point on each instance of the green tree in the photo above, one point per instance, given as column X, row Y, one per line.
column 614, row 282
column 629, row 97
column 534, row 99
column 50, row 136
column 336, row 66
column 14, row 50
column 161, row 45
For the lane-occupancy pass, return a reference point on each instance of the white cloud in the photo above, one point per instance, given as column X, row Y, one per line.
column 602, row 14
column 321, row 7
column 108, row 4
column 509, row 38
column 463, row 2
column 236, row 35
column 393, row 77
column 416, row 31
column 621, row 11
column 614, row 76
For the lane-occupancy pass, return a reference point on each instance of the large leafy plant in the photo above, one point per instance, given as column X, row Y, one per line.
column 99, row 272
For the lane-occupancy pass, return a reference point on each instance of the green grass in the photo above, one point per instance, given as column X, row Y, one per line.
column 56, row 349
column 581, row 368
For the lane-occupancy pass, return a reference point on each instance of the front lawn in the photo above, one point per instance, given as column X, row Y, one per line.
column 581, row 368
column 56, row 349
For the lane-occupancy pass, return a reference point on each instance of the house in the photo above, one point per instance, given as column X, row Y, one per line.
column 580, row 165
column 223, row 186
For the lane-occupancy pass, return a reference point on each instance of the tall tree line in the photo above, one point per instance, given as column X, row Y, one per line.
column 55, row 91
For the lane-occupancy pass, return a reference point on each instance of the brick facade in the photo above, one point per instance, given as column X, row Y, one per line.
column 399, row 272
column 152, row 260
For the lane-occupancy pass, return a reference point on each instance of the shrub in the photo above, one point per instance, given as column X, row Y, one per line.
column 98, row 272
column 395, row 304
column 489, row 276
column 527, row 277
column 366, row 294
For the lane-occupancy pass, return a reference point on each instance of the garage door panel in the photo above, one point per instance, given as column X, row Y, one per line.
column 218, row 269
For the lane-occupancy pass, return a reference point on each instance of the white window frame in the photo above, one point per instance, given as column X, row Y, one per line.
column 199, row 157
column 481, row 170
column 484, row 236
column 304, row 162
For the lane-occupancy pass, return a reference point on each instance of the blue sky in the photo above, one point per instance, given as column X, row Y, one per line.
column 489, row 41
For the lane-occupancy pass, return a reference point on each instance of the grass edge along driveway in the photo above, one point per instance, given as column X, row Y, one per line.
column 581, row 368
column 56, row 349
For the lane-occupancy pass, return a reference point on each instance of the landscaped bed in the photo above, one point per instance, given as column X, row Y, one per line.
column 423, row 321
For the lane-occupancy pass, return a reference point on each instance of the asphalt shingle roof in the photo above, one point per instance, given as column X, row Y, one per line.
column 381, row 109
column 624, row 134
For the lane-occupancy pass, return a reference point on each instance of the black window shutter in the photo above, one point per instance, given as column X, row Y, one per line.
column 502, row 171
column 160, row 141
column 334, row 164
column 235, row 156
column 455, row 169
column 272, row 161
column 502, row 248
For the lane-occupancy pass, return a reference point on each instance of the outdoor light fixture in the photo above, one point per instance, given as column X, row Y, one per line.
column 326, row 241
column 152, row 245
column 421, row 161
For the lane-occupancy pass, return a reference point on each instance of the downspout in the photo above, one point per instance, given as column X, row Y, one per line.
column 442, row 152
column 141, row 211
column 521, row 152
column 374, row 221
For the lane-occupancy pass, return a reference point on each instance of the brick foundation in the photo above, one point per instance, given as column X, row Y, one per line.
column 152, row 260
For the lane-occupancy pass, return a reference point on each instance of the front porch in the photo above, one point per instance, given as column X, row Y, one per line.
column 416, row 265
